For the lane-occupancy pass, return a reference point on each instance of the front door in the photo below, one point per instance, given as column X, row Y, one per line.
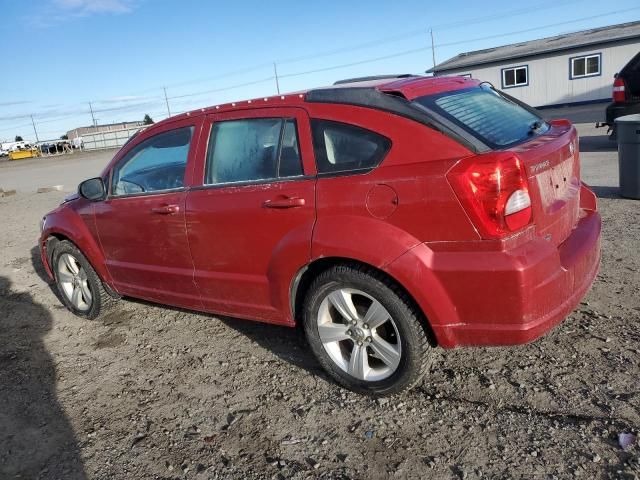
column 250, row 223
column 141, row 224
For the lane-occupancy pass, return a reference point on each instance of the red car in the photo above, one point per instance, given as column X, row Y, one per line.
column 385, row 216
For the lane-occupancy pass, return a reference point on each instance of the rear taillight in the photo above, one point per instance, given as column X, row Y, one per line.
column 619, row 90
column 494, row 191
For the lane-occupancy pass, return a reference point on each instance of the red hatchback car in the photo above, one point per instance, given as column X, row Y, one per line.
column 387, row 216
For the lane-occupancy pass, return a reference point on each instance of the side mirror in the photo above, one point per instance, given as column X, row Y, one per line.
column 93, row 189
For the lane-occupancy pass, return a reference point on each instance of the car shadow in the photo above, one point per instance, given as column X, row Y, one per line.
column 288, row 344
column 38, row 267
column 36, row 438
column 597, row 143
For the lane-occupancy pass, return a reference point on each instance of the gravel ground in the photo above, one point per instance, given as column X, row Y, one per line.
column 153, row 392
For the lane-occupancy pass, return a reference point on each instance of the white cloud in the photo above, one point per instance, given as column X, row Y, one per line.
column 87, row 7
column 124, row 98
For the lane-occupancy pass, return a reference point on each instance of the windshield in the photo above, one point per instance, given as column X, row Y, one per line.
column 487, row 115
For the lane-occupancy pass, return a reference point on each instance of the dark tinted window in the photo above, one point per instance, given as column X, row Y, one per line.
column 157, row 163
column 253, row 149
column 290, row 164
column 340, row 147
column 487, row 115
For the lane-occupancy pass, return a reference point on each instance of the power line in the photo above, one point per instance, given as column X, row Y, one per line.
column 231, row 87
column 448, row 44
column 275, row 73
column 277, row 76
column 421, row 32
column 93, row 118
column 34, row 128
column 166, row 100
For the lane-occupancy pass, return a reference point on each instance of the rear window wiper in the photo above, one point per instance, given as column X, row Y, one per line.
column 535, row 126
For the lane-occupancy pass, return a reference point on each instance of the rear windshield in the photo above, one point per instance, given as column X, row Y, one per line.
column 487, row 115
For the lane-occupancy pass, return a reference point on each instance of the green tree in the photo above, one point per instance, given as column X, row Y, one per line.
column 64, row 137
column 19, row 138
column 147, row 120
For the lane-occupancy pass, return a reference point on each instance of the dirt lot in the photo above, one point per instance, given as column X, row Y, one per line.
column 152, row 392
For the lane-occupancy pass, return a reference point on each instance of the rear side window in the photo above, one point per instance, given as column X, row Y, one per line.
column 156, row 164
column 252, row 150
column 487, row 115
column 340, row 147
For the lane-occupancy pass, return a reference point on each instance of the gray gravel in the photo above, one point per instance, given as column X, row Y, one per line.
column 153, row 392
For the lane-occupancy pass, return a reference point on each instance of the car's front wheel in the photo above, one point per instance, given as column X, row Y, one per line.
column 78, row 284
column 365, row 332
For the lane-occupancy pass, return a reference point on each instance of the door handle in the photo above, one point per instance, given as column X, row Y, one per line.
column 166, row 209
column 287, row 202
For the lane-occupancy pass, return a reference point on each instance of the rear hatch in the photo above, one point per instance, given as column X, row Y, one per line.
column 552, row 164
column 547, row 151
column 630, row 73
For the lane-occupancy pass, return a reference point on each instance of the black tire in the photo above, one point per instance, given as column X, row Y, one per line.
column 415, row 357
column 101, row 301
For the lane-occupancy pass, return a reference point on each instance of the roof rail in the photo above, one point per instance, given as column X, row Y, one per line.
column 374, row 77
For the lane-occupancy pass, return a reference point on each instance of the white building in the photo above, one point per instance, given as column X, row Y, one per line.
column 574, row 68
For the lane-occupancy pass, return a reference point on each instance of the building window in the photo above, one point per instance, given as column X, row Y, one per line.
column 515, row 76
column 585, row 66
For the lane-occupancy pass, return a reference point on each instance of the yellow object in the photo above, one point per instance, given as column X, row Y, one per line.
column 20, row 154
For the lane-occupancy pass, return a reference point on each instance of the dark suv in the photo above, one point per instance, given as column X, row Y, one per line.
column 626, row 93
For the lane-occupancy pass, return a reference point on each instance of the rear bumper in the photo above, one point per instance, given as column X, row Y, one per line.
column 505, row 297
column 615, row 110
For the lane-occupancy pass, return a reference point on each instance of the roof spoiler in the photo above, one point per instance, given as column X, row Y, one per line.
column 374, row 77
column 387, row 102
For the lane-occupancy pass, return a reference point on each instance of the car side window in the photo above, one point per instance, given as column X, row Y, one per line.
column 252, row 149
column 340, row 147
column 156, row 164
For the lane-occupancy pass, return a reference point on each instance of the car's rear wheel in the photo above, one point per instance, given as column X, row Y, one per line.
column 365, row 331
column 78, row 284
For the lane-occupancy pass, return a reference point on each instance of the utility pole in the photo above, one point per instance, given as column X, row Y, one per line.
column 166, row 99
column 92, row 117
column 34, row 129
column 433, row 48
column 275, row 71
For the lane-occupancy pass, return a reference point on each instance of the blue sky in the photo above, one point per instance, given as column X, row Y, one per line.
column 58, row 55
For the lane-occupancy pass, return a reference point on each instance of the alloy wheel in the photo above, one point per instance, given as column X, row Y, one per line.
column 359, row 335
column 74, row 282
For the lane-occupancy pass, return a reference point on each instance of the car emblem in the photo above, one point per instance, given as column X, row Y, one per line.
column 538, row 167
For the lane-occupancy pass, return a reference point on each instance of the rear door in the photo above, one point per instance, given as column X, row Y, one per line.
column 250, row 222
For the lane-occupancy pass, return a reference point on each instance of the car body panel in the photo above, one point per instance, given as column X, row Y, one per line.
column 503, row 297
column 223, row 252
column 127, row 225
column 245, row 253
column 74, row 220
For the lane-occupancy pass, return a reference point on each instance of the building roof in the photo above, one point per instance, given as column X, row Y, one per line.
column 612, row 33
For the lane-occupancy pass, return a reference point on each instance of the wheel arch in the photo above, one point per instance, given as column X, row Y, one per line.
column 305, row 276
column 66, row 224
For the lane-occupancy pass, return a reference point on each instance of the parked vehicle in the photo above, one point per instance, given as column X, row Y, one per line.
column 386, row 217
column 626, row 94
